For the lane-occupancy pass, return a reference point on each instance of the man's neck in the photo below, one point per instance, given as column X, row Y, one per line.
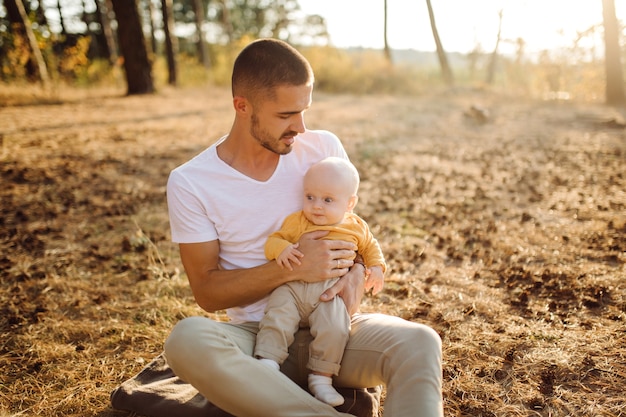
column 253, row 161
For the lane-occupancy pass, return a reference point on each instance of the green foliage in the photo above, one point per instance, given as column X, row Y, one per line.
column 280, row 19
column 100, row 72
column 66, row 61
column 14, row 58
column 574, row 72
column 73, row 63
column 336, row 70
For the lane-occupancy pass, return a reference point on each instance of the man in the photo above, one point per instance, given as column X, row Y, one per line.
column 223, row 204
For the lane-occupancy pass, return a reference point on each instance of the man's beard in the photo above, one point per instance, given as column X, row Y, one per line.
column 266, row 140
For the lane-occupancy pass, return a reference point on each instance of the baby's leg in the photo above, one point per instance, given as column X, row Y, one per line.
column 330, row 328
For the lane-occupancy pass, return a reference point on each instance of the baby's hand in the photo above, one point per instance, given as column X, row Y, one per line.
column 374, row 279
column 288, row 255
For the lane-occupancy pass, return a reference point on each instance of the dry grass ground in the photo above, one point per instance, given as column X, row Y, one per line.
column 507, row 236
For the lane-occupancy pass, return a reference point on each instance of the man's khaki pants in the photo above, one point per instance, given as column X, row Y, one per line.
column 216, row 358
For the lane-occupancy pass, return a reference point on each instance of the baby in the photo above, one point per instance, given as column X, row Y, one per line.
column 330, row 195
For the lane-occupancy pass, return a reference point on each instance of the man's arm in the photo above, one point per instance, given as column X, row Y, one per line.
column 215, row 289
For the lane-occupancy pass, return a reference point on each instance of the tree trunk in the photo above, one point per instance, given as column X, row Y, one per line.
column 104, row 7
column 203, row 53
column 441, row 53
column 61, row 20
column 387, row 50
column 133, row 48
column 614, row 76
column 226, row 23
column 34, row 46
column 491, row 69
column 95, row 46
column 15, row 17
column 171, row 45
column 153, row 40
column 41, row 18
column 87, row 21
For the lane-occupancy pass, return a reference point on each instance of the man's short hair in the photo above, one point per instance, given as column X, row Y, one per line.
column 266, row 64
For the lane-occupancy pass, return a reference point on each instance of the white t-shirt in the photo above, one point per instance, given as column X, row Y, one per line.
column 208, row 200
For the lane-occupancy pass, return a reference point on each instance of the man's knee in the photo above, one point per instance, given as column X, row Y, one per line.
column 419, row 340
column 178, row 345
column 428, row 337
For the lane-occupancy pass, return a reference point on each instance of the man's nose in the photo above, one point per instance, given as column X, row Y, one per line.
column 298, row 124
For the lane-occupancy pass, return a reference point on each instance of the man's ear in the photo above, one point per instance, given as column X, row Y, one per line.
column 241, row 104
column 352, row 202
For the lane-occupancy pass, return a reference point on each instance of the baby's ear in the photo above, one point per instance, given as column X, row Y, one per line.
column 352, row 202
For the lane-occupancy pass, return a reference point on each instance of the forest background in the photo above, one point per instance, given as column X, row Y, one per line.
column 495, row 184
column 192, row 42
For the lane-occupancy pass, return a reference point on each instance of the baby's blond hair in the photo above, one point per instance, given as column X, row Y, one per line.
column 342, row 169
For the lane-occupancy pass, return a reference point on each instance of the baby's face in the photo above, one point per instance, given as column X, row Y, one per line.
column 326, row 200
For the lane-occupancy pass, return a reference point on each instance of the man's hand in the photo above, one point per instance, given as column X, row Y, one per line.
column 323, row 259
column 350, row 288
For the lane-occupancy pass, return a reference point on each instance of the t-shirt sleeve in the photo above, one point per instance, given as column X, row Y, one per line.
column 333, row 144
column 189, row 222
